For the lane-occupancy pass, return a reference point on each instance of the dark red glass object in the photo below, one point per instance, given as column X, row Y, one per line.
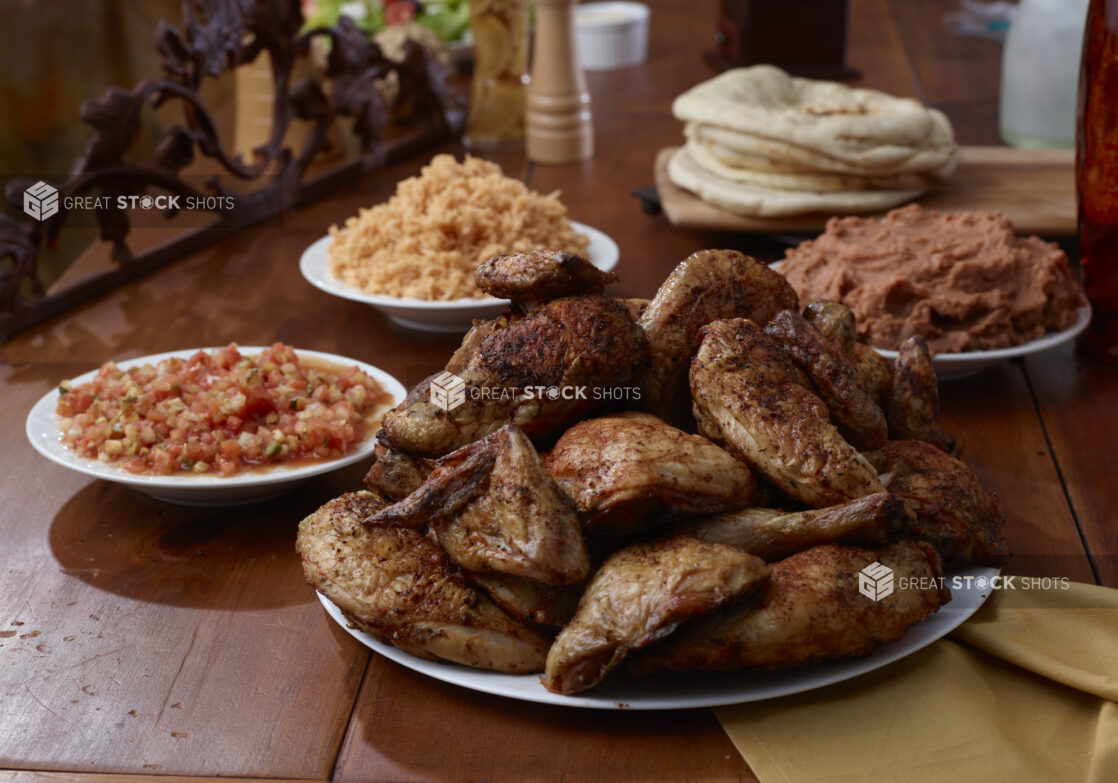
column 1097, row 176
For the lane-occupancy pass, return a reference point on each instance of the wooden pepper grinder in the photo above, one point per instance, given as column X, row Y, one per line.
column 557, row 121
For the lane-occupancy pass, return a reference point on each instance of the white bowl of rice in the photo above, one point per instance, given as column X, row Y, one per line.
column 413, row 257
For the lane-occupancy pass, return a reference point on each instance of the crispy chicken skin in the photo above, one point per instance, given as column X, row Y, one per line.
column 836, row 323
column 527, row 600
column 493, row 507
column 774, row 535
column 641, row 594
column 809, row 611
column 859, row 418
column 401, row 588
column 704, row 287
column 913, row 406
column 627, row 470
column 540, row 275
column 747, row 397
column 585, row 341
column 396, row 474
column 953, row 512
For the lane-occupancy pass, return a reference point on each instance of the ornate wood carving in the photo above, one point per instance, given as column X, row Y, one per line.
column 217, row 36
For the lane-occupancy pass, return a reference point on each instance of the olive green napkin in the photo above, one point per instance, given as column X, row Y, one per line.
column 1026, row 690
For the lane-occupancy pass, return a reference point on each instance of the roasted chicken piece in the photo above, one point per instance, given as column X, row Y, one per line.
column 629, row 469
column 913, row 406
column 398, row 586
column 773, row 535
column 953, row 512
column 493, row 507
column 641, row 594
column 748, row 397
column 836, row 382
column 836, row 323
column 528, row 600
column 809, row 611
column 396, row 474
column 539, row 276
column 543, row 371
column 704, row 287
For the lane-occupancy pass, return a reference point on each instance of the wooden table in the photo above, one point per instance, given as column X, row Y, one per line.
column 150, row 639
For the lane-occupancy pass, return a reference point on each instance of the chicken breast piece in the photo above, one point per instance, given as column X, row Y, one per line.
column 953, row 511
column 642, row 593
column 860, row 419
column 581, row 347
column 774, row 535
column 837, row 324
column 539, row 276
column 398, row 586
column 809, row 611
column 704, row 287
column 914, row 399
column 749, row 398
column 630, row 469
column 493, row 507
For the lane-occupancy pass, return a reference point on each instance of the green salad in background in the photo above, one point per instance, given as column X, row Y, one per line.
column 449, row 19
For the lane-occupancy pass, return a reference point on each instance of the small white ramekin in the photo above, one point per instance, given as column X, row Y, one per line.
column 611, row 35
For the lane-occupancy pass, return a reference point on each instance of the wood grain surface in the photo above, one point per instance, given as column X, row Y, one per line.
column 1033, row 188
column 140, row 640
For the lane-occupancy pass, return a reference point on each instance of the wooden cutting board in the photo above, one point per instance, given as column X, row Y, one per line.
column 1033, row 188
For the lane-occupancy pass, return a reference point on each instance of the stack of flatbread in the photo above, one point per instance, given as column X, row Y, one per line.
column 766, row 144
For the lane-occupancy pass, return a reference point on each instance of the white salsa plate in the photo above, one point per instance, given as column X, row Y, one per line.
column 708, row 689
column 454, row 316
column 200, row 490
column 950, row 366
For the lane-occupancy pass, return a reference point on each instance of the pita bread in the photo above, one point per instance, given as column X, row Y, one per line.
column 743, row 150
column 863, row 127
column 816, row 181
column 757, row 201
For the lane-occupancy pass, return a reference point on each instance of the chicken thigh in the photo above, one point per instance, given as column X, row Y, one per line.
column 748, row 397
column 540, row 275
column 641, row 594
column 704, row 287
column 953, row 511
column 398, row 586
column 543, row 371
column 629, row 469
column 810, row 610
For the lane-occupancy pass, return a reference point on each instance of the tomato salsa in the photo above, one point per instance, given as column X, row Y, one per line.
column 218, row 412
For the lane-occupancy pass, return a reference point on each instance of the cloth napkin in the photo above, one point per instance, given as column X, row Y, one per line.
column 1025, row 690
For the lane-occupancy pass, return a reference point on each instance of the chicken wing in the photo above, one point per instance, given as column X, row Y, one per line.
column 914, row 399
column 627, row 470
column 773, row 535
column 396, row 474
column 836, row 323
column 747, row 397
column 859, row 418
column 494, row 508
column 540, row 275
column 543, row 371
column 704, row 287
column 641, row 594
column 953, row 511
column 398, row 586
column 528, row 600
column 809, row 611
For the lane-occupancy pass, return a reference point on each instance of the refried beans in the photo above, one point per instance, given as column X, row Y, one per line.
column 964, row 281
